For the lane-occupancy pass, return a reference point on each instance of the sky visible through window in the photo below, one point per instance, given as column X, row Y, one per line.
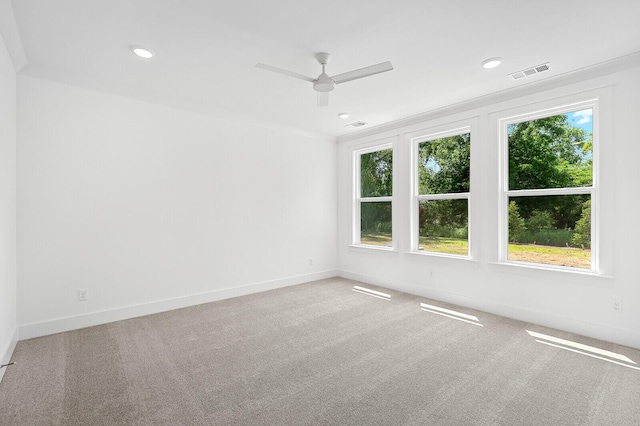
column 582, row 119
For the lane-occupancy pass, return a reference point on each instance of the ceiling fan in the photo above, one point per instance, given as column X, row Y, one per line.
column 323, row 84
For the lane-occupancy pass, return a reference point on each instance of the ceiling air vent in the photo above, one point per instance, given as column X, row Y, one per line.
column 530, row 71
column 356, row 124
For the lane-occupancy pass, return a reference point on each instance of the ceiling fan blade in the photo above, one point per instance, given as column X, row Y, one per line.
column 285, row 72
column 323, row 99
column 362, row 72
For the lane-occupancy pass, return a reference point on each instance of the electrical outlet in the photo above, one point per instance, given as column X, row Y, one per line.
column 83, row 294
column 310, row 261
column 616, row 306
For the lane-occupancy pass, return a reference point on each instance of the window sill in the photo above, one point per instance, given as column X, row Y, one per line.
column 565, row 274
column 372, row 249
column 422, row 253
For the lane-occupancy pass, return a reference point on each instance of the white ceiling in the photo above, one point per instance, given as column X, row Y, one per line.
column 206, row 51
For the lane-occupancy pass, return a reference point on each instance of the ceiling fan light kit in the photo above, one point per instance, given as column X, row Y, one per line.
column 323, row 84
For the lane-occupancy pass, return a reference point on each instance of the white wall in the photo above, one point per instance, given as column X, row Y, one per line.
column 563, row 300
column 152, row 208
column 8, row 329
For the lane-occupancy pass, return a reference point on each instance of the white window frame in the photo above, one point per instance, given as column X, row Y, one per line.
column 416, row 140
column 592, row 190
column 358, row 199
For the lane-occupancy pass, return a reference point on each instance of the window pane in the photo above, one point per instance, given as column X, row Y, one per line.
column 444, row 226
column 375, row 224
column 552, row 152
column 376, row 173
column 553, row 230
column 444, row 165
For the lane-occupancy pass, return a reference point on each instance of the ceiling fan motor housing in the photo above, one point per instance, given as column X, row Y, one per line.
column 323, row 83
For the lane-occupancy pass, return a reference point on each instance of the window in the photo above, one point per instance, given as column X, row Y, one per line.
column 550, row 187
column 442, row 192
column 374, row 197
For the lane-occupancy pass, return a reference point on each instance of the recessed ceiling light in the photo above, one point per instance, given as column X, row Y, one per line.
column 142, row 52
column 343, row 115
column 491, row 63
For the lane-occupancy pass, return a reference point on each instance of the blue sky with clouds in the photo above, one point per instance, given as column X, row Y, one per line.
column 582, row 119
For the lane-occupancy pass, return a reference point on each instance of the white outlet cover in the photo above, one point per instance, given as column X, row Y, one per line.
column 616, row 306
column 83, row 294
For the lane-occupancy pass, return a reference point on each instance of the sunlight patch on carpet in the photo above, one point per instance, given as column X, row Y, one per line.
column 582, row 349
column 451, row 314
column 374, row 293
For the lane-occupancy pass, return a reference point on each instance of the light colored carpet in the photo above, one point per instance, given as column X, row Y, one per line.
column 317, row 353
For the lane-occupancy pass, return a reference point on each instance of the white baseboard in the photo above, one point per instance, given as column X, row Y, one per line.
column 607, row 333
column 7, row 353
column 58, row 325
